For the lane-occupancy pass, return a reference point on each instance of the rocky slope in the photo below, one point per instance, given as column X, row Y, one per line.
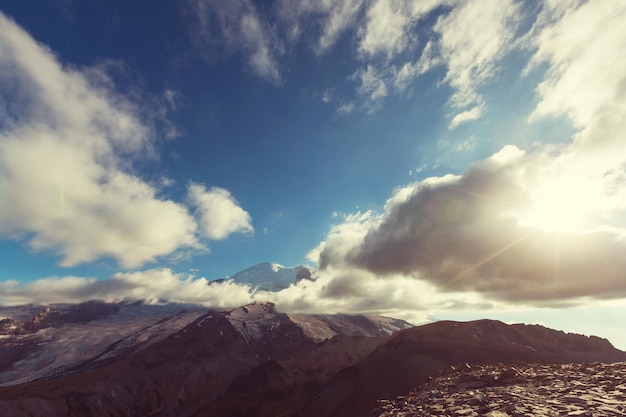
column 409, row 358
column 257, row 361
column 596, row 389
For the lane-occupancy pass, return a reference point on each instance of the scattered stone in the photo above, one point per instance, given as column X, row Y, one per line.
column 541, row 390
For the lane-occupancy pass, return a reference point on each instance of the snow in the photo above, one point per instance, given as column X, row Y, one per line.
column 73, row 344
column 266, row 276
column 276, row 267
column 203, row 320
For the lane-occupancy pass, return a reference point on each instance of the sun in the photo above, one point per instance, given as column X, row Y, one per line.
column 564, row 203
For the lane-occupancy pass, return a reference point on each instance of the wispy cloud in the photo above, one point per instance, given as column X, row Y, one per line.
column 473, row 37
column 238, row 26
column 328, row 18
column 468, row 115
column 584, row 52
column 393, row 42
column 389, row 27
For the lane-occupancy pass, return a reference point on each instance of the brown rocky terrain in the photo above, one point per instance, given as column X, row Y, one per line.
column 254, row 361
column 410, row 357
column 538, row 390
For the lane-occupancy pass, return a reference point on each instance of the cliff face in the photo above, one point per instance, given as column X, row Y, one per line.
column 255, row 361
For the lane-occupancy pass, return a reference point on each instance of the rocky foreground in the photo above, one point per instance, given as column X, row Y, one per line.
column 537, row 390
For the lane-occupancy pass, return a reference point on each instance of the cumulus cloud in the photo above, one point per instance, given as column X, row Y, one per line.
column 330, row 292
column 68, row 141
column 151, row 285
column 540, row 227
column 218, row 213
column 464, row 233
column 66, row 148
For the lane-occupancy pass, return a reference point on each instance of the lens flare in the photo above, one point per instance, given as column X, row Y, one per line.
column 565, row 203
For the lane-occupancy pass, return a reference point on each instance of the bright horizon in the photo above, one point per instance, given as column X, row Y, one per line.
column 434, row 159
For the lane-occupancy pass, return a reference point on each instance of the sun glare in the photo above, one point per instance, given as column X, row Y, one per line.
column 566, row 203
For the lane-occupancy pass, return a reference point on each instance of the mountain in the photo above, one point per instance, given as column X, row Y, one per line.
column 411, row 357
column 169, row 359
column 42, row 342
column 269, row 276
column 133, row 359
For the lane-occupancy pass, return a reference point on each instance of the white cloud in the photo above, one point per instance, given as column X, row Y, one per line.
column 66, row 153
column 333, row 17
column 346, row 108
column 343, row 235
column 355, row 291
column 390, row 26
column 373, row 86
column 218, row 213
column 240, row 28
column 339, row 291
column 66, row 147
column 408, row 71
column 582, row 44
column 468, row 233
column 473, row 114
column 584, row 49
column 525, row 228
column 327, row 96
column 359, row 291
column 151, row 285
column 469, row 38
column 473, row 37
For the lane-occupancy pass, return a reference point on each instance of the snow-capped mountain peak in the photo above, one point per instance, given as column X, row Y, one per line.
column 271, row 276
column 276, row 267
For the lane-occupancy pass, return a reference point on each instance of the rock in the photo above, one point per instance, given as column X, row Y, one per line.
column 528, row 390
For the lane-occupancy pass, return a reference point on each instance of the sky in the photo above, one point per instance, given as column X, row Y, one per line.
column 435, row 159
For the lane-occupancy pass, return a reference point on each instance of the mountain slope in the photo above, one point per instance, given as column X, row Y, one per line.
column 257, row 361
column 410, row 357
column 269, row 276
column 196, row 365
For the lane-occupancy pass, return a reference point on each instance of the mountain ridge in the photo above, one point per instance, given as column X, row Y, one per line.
column 270, row 276
column 254, row 360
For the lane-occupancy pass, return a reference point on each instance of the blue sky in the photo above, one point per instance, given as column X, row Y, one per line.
column 436, row 148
